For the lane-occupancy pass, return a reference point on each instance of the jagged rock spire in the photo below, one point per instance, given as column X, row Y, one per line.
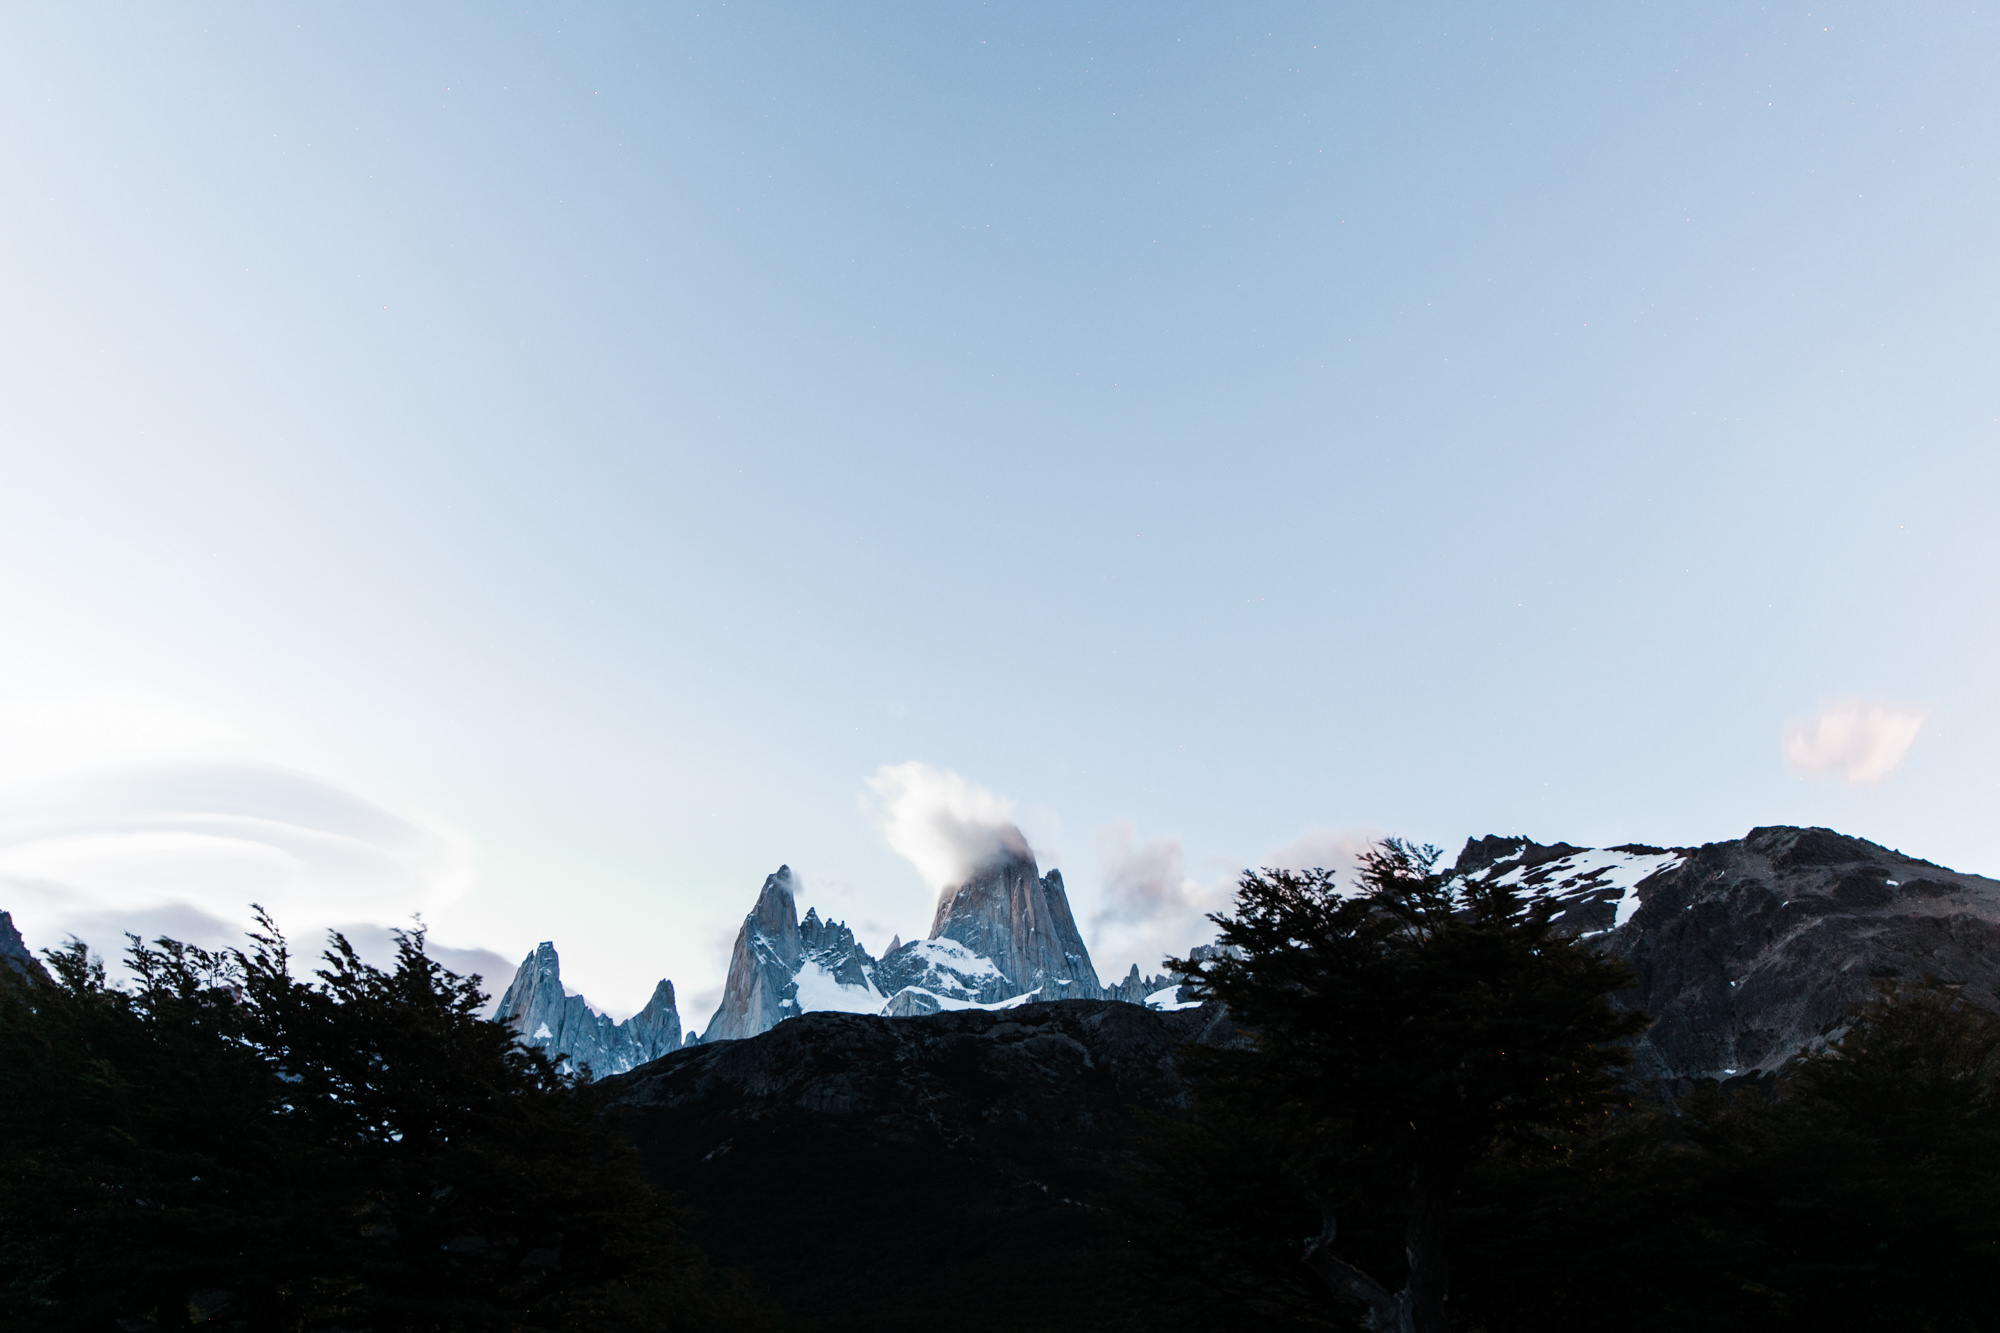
column 1019, row 919
column 537, row 1008
column 761, row 990
column 782, row 967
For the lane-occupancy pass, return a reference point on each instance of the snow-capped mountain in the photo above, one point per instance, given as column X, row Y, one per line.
column 1020, row 919
column 1595, row 889
column 780, row 968
column 1004, row 937
column 546, row 1015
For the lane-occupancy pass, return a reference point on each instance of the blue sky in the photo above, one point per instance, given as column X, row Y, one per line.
column 540, row 465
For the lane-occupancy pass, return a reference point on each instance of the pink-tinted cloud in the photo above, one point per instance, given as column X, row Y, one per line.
column 1863, row 743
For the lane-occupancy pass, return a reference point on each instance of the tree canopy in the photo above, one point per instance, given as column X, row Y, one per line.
column 223, row 1142
column 1401, row 1031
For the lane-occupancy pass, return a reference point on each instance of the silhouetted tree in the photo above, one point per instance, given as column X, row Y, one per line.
column 1401, row 1033
column 226, row 1141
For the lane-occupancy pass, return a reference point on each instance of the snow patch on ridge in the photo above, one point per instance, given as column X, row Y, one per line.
column 819, row 989
column 951, row 954
column 1603, row 875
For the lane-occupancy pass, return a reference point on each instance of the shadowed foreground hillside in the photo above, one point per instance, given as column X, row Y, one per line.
column 881, row 1173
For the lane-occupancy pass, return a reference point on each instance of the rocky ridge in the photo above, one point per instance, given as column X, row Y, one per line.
column 1749, row 951
column 780, row 968
column 537, row 1007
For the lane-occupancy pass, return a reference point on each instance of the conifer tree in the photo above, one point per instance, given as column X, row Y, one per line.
column 224, row 1143
column 1400, row 1032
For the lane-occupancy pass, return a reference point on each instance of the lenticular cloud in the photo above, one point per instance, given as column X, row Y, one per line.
column 184, row 848
column 1864, row 743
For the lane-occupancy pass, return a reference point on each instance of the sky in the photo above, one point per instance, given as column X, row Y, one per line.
column 542, row 467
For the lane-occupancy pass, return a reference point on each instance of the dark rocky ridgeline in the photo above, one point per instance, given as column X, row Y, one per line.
column 1749, row 951
column 536, row 1006
column 891, row 1173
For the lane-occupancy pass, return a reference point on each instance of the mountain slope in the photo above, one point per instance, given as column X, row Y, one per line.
column 1748, row 951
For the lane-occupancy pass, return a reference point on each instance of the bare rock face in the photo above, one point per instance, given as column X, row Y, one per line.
column 1137, row 989
column 833, row 946
column 1021, row 922
column 781, row 967
column 1747, row 952
column 759, row 992
column 537, row 1008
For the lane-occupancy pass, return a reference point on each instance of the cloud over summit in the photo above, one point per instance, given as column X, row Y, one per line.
column 942, row 824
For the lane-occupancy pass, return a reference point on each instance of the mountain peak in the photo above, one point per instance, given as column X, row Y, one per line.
column 1021, row 921
column 775, row 918
column 568, row 1029
column 760, row 991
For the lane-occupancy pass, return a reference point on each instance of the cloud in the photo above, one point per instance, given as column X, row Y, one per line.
column 1321, row 850
column 1149, row 905
column 1864, row 743
column 42, row 736
column 1149, row 881
column 183, row 848
column 943, row 825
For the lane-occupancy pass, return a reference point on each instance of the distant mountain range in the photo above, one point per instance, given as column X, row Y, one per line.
column 1744, row 952
column 1005, row 937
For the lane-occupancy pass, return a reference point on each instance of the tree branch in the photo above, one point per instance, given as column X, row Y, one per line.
column 1383, row 1312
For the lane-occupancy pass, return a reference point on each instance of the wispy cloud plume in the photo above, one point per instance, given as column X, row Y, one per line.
column 1323, row 850
column 942, row 824
column 1149, row 905
column 1864, row 743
